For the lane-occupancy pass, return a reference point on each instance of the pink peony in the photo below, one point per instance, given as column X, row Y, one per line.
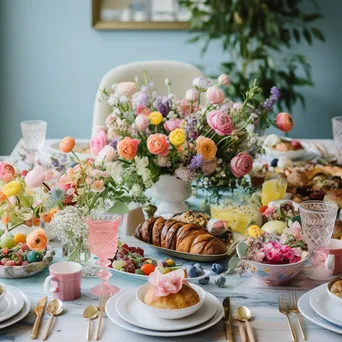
column 35, row 177
column 220, row 122
column 172, row 124
column 125, row 89
column 106, row 155
column 142, row 122
column 273, row 252
column 7, row 172
column 215, row 95
column 98, row 142
column 167, row 283
column 269, row 211
column 241, row 164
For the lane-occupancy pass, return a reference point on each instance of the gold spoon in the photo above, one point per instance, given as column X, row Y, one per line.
column 54, row 308
column 90, row 313
column 243, row 314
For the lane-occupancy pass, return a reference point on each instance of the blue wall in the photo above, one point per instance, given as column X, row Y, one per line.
column 52, row 61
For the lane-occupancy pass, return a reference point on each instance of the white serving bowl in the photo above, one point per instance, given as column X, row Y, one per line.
column 2, row 292
column 292, row 155
column 331, row 295
column 170, row 313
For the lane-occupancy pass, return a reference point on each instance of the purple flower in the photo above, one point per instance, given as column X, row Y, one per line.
column 191, row 127
column 163, row 105
column 275, row 93
column 272, row 100
column 196, row 162
column 113, row 143
column 140, row 99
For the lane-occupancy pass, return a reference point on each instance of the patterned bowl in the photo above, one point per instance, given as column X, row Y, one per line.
column 27, row 270
column 272, row 274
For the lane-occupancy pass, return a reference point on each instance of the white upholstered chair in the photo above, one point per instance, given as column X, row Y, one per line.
column 180, row 74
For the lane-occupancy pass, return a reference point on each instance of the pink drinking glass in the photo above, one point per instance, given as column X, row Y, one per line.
column 103, row 238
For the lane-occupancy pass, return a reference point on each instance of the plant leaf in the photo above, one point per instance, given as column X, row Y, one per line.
column 118, row 208
column 318, row 34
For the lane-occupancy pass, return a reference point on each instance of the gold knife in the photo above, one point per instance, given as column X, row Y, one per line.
column 39, row 310
column 226, row 307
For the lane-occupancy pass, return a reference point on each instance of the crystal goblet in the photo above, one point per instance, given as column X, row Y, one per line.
column 33, row 132
column 318, row 220
column 103, row 238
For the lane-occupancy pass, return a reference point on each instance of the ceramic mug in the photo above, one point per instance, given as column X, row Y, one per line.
column 65, row 280
column 334, row 260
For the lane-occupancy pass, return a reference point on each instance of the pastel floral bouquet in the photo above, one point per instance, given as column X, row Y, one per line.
column 211, row 145
column 287, row 248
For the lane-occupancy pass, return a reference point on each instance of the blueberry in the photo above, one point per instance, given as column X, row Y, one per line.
column 220, row 281
column 274, row 162
column 193, row 271
column 217, row 268
column 204, row 281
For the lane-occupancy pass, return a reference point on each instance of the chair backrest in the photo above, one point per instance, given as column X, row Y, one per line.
column 180, row 74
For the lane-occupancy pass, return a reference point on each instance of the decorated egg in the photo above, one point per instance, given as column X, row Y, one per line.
column 274, row 227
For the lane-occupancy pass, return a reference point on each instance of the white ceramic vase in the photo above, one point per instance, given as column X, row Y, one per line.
column 171, row 192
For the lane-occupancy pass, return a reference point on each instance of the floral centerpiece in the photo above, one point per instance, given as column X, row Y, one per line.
column 85, row 187
column 211, row 145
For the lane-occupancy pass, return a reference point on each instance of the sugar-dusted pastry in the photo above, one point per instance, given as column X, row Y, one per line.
column 334, row 195
column 170, row 291
column 336, row 288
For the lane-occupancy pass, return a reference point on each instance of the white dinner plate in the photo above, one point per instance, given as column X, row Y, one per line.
column 145, row 278
column 325, row 306
column 308, row 312
column 132, row 312
column 21, row 315
column 115, row 318
column 302, row 155
column 11, row 304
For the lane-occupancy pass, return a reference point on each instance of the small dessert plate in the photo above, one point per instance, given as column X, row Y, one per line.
column 325, row 306
column 113, row 315
column 307, row 311
column 11, row 304
column 129, row 310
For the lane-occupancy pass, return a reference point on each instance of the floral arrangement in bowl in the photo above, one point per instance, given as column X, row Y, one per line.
column 271, row 258
column 212, row 144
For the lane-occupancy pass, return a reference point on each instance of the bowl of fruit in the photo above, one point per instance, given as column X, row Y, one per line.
column 132, row 262
column 17, row 260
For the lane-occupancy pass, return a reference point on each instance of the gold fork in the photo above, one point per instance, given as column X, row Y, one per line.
column 103, row 300
column 293, row 307
column 284, row 310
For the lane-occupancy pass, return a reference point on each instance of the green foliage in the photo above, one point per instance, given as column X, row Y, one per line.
column 258, row 36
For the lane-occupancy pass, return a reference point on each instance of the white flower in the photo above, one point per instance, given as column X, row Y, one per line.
column 250, row 128
column 136, row 190
column 201, row 83
column 123, row 98
column 167, row 82
column 113, row 100
column 171, row 96
column 141, row 165
column 237, row 106
column 115, row 171
column 191, row 95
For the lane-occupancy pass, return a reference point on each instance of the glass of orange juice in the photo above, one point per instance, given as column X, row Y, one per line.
column 273, row 189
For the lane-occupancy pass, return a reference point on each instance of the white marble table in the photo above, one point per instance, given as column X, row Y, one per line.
column 269, row 324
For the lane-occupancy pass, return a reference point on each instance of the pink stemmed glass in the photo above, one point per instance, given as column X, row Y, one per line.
column 103, row 238
column 318, row 220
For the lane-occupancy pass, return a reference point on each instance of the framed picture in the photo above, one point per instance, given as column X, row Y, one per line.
column 139, row 15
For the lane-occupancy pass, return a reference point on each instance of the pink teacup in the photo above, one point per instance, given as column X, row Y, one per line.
column 334, row 260
column 65, row 280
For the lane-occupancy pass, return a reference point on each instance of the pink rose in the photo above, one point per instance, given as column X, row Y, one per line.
column 269, row 211
column 167, row 283
column 241, row 164
column 215, row 95
column 7, row 172
column 125, row 89
column 35, row 177
column 220, row 122
column 224, row 79
column 273, row 252
column 106, row 155
column 142, row 122
column 140, row 109
column 172, row 124
column 98, row 142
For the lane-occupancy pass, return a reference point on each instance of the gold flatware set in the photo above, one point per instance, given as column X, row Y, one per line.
column 288, row 305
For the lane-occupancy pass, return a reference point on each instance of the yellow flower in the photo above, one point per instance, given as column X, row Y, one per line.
column 254, row 231
column 177, row 137
column 156, row 118
column 12, row 189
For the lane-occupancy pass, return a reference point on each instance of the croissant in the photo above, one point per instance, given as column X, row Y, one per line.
column 179, row 236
